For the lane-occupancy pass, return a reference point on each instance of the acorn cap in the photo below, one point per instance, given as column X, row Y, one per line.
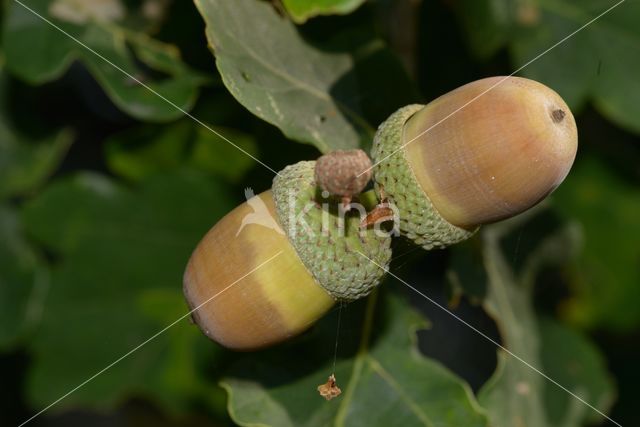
column 393, row 176
column 331, row 247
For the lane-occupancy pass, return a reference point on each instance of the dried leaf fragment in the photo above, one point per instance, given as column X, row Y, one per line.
column 329, row 390
column 379, row 214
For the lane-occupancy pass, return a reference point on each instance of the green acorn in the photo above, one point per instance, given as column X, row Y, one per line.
column 484, row 152
column 306, row 256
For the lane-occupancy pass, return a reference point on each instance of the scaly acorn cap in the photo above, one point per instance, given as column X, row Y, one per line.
column 393, row 177
column 483, row 152
column 327, row 244
column 251, row 285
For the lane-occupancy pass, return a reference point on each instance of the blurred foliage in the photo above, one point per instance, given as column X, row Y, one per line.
column 606, row 276
column 25, row 162
column 599, row 64
column 24, row 280
column 385, row 380
column 89, row 32
column 105, row 188
column 516, row 394
column 117, row 298
column 301, row 10
column 151, row 150
column 321, row 95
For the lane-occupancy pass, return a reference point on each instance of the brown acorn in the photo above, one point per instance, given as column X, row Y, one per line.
column 277, row 263
column 484, row 152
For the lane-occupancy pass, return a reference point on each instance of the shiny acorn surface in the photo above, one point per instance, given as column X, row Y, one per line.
column 491, row 149
column 263, row 293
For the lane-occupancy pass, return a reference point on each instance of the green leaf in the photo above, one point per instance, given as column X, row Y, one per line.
column 600, row 63
column 24, row 162
column 326, row 96
column 301, row 10
column 516, row 394
column 149, row 150
column 121, row 254
column 24, row 281
column 577, row 364
column 385, row 381
column 37, row 52
column 486, row 23
column 604, row 281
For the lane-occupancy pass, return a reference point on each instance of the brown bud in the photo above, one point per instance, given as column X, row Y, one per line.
column 343, row 173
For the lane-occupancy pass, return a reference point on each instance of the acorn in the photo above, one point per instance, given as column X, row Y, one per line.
column 274, row 265
column 486, row 151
